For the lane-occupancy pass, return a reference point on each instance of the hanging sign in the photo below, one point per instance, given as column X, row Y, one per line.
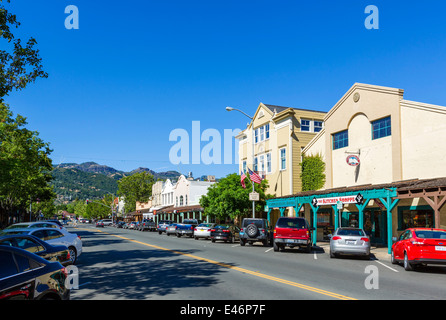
column 353, row 160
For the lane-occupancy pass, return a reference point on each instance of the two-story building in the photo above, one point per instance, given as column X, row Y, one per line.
column 384, row 162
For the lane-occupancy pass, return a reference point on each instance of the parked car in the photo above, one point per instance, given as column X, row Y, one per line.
column 107, row 222
column 292, row 232
column 26, row 276
column 350, row 241
column 171, row 229
column 36, row 224
column 225, row 232
column 100, row 223
column 35, row 245
column 203, row 230
column 55, row 237
column 255, row 229
column 120, row 224
column 187, row 227
column 162, row 225
column 147, row 224
column 132, row 225
column 419, row 246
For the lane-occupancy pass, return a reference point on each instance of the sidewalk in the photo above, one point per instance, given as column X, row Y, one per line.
column 378, row 253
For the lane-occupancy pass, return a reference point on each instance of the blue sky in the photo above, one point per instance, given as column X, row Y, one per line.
column 136, row 70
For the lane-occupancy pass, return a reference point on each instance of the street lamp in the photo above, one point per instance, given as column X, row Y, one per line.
column 253, row 190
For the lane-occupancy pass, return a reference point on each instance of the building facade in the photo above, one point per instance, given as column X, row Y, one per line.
column 272, row 145
column 383, row 163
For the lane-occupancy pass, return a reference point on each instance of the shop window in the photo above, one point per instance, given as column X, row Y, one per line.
column 381, row 128
column 421, row 217
column 340, row 140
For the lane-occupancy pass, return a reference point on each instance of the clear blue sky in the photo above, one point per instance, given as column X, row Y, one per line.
column 136, row 70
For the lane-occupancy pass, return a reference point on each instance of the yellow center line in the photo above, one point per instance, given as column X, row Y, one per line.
column 254, row 273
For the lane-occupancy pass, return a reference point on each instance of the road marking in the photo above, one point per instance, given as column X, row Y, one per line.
column 386, row 266
column 269, row 249
column 315, row 256
column 253, row 273
column 236, row 245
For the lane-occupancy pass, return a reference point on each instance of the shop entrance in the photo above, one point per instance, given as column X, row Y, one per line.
column 375, row 225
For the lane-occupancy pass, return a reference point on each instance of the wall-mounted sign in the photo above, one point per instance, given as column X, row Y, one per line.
column 355, row 199
column 353, row 160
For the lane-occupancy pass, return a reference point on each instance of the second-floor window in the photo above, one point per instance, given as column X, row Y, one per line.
column 282, row 158
column 340, row 140
column 381, row 128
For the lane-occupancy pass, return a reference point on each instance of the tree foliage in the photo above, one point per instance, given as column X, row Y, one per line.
column 25, row 166
column 137, row 187
column 22, row 64
column 228, row 199
column 313, row 172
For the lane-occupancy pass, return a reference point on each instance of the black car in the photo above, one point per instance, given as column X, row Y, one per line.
column 225, row 232
column 34, row 245
column 26, row 276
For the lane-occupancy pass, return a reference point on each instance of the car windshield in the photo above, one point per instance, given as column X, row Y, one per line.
column 430, row 234
column 221, row 226
column 258, row 223
column 350, row 232
column 205, row 225
column 291, row 223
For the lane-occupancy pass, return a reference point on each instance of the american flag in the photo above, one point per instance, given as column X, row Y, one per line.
column 254, row 177
column 242, row 179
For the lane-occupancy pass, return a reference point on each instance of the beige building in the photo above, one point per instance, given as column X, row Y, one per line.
column 276, row 136
column 388, row 151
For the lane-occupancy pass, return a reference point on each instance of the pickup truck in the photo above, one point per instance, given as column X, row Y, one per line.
column 187, row 227
column 147, row 224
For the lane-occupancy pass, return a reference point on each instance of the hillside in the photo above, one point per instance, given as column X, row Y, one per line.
column 90, row 180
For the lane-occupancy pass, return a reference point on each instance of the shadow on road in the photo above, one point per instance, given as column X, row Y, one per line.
column 142, row 273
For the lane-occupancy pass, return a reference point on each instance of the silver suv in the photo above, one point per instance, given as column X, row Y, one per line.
column 255, row 229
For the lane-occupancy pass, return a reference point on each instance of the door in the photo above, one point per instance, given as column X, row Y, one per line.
column 375, row 226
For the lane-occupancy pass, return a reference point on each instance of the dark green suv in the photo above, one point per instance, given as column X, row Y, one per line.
column 255, row 229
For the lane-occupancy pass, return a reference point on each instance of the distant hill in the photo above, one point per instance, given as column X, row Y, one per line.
column 90, row 180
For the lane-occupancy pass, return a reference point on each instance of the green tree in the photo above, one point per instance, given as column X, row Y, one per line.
column 228, row 199
column 25, row 166
column 137, row 187
column 22, row 64
column 313, row 173
column 99, row 209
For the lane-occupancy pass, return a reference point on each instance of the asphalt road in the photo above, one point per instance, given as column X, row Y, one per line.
column 126, row 264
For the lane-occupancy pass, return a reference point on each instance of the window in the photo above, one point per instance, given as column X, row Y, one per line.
column 282, row 159
column 340, row 140
column 418, row 218
column 54, row 234
column 244, row 166
column 305, row 125
column 256, row 162
column 181, row 200
column 318, row 126
column 381, row 128
column 262, row 164
column 262, row 133
column 9, row 267
column 256, row 135
column 267, row 131
column 268, row 162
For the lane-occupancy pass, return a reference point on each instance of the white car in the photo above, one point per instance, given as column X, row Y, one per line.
column 36, row 224
column 55, row 237
column 203, row 230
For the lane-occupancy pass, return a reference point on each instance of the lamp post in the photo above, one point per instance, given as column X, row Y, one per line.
column 253, row 190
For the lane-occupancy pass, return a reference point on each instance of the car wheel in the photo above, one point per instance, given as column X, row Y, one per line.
column 242, row 242
column 213, row 240
column 276, row 246
column 308, row 248
column 332, row 254
column 392, row 258
column 407, row 265
column 73, row 254
column 196, row 238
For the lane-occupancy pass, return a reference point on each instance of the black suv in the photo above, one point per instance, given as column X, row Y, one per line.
column 255, row 229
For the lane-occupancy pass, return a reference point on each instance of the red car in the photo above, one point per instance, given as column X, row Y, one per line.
column 420, row 246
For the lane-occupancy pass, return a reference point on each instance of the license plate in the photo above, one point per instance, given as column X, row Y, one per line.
column 218, row 237
column 439, row 248
column 290, row 241
column 350, row 241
